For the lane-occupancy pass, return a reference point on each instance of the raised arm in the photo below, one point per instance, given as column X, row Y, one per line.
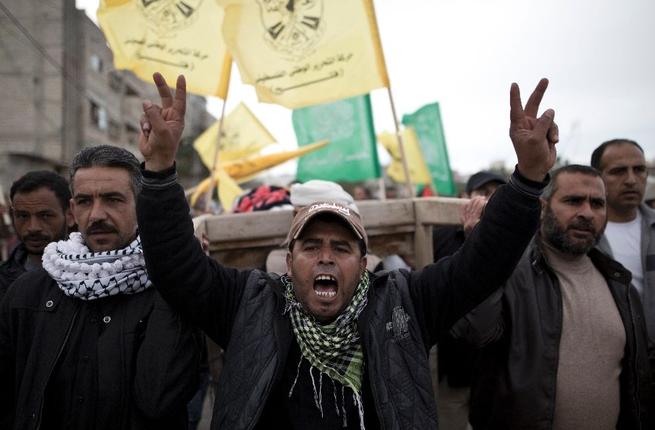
column 203, row 291
column 447, row 290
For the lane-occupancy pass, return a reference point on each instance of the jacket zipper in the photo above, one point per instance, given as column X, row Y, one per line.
column 375, row 400
column 558, row 290
column 635, row 357
column 61, row 350
column 371, row 380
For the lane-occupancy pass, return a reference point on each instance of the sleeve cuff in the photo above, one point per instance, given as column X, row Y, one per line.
column 527, row 186
column 159, row 180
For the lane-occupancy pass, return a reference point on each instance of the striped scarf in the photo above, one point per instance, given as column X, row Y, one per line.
column 334, row 349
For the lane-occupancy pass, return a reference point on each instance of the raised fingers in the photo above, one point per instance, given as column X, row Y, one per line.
column 532, row 105
column 163, row 90
column 516, row 108
column 179, row 104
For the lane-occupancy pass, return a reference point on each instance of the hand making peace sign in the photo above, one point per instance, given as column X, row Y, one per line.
column 162, row 126
column 534, row 138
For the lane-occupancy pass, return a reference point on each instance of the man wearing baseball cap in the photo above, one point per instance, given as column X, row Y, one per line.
column 329, row 345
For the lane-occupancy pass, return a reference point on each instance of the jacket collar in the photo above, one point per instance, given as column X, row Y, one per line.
column 608, row 267
column 647, row 214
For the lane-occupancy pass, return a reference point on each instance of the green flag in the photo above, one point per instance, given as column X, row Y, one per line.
column 427, row 123
column 351, row 155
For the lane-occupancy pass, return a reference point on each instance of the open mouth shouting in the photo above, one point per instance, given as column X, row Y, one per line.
column 326, row 286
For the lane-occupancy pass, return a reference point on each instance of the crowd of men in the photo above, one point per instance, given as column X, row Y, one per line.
column 542, row 302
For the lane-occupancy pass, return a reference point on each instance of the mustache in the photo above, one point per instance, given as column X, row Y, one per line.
column 582, row 224
column 100, row 227
column 36, row 237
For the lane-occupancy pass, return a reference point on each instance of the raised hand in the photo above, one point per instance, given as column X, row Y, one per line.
column 533, row 138
column 162, row 126
column 471, row 213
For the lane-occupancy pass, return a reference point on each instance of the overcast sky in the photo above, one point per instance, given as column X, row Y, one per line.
column 598, row 54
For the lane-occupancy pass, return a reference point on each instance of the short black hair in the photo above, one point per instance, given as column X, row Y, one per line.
column 32, row 181
column 597, row 155
column 551, row 188
column 108, row 156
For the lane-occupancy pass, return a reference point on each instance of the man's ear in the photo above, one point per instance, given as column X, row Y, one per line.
column 71, row 208
column 289, row 261
column 544, row 204
column 11, row 215
column 70, row 220
column 363, row 263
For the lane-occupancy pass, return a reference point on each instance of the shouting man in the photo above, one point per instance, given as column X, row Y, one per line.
column 330, row 345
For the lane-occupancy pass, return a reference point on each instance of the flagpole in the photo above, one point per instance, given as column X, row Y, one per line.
column 382, row 188
column 399, row 139
column 210, row 191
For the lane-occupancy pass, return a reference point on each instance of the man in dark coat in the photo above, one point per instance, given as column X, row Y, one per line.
column 87, row 343
column 40, row 215
column 330, row 345
column 564, row 343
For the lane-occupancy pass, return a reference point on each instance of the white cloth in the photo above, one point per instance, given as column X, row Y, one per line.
column 625, row 241
column 324, row 191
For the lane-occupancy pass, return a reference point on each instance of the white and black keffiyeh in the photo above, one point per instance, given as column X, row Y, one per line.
column 88, row 275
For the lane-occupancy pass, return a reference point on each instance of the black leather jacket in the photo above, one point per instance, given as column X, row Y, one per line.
column 406, row 313
column 517, row 390
column 11, row 269
column 146, row 368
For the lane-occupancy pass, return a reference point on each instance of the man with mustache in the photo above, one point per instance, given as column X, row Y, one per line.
column 564, row 343
column 40, row 215
column 87, row 343
column 630, row 233
column 330, row 345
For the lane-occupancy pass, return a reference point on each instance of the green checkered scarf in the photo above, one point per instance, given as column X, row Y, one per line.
column 334, row 349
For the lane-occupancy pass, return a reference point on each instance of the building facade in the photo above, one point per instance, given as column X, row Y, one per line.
column 60, row 91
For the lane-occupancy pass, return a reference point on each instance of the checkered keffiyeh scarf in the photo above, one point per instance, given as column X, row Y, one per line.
column 334, row 349
column 88, row 275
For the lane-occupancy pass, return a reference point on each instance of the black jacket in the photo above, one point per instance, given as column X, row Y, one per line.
column 147, row 357
column 519, row 329
column 406, row 313
column 11, row 269
column 456, row 356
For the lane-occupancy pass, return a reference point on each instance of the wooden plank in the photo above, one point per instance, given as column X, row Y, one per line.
column 402, row 226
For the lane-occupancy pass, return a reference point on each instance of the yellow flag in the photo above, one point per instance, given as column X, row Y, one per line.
column 418, row 170
column 305, row 52
column 243, row 136
column 170, row 37
column 231, row 172
column 228, row 189
column 243, row 170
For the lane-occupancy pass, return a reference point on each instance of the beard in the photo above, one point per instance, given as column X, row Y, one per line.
column 557, row 235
